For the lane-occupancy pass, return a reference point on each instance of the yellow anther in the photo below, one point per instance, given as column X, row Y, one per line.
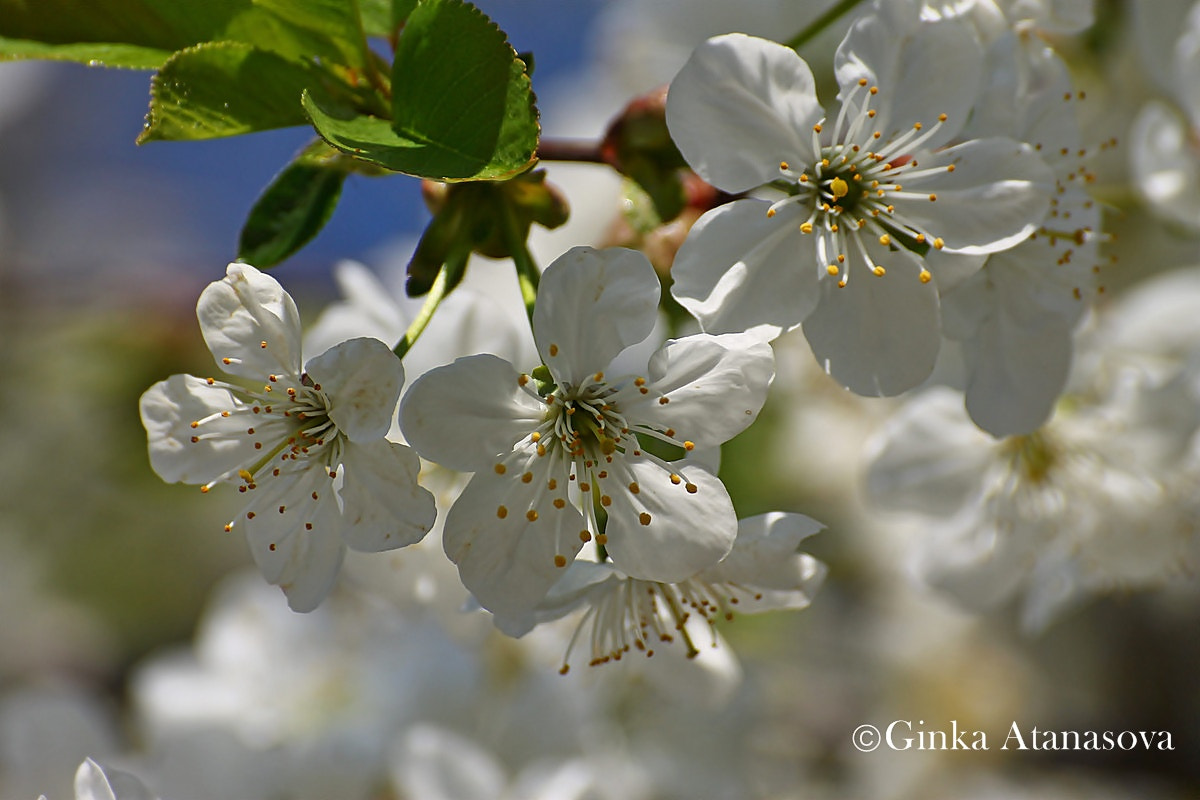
column 770, row 213
column 501, row 469
column 842, row 283
column 806, row 227
column 938, row 243
column 527, row 477
column 879, row 271
column 502, row 512
column 560, row 561
column 553, row 349
column 839, row 188
column 885, row 240
column 817, row 128
column 950, row 168
column 862, row 81
column 925, row 276
column 932, row 197
column 531, row 515
column 874, row 90
column 917, row 126
column 783, row 165
column 644, row 518
column 832, row 269
column 689, row 446
column 942, row 117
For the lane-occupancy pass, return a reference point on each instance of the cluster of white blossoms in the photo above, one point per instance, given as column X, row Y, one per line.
column 942, row 199
column 1100, row 499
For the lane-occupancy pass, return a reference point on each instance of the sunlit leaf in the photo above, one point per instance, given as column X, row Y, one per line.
column 325, row 29
column 224, row 89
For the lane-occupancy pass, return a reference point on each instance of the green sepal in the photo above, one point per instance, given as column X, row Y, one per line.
column 475, row 215
column 294, row 207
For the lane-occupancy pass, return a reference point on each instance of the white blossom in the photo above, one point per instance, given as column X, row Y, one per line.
column 559, row 458
column 865, row 191
column 305, row 445
column 763, row 572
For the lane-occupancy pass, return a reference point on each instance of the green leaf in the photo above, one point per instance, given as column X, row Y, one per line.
column 100, row 54
column 462, row 105
column 329, row 30
column 294, row 207
column 384, row 17
column 225, row 89
column 458, row 87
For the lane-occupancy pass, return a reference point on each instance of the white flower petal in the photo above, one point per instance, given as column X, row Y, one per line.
column 168, row 409
column 383, row 507
column 92, row 782
column 238, row 314
column 582, row 582
column 1023, row 99
column 362, row 378
column 368, row 309
column 504, row 552
column 707, row 388
column 665, row 531
column 1164, row 167
column 302, row 560
column 591, row 305
column 765, row 555
column 877, row 336
column 466, row 414
column 739, row 107
column 432, row 763
column 739, row 270
column 928, row 457
column 998, row 194
column 922, row 68
column 1016, row 374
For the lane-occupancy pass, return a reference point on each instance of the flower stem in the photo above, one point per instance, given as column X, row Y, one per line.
column 583, row 150
column 528, row 274
column 821, row 23
column 448, row 277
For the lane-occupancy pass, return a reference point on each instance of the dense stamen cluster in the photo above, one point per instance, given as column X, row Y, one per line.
column 582, row 432
column 850, row 192
column 287, row 422
column 635, row 614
